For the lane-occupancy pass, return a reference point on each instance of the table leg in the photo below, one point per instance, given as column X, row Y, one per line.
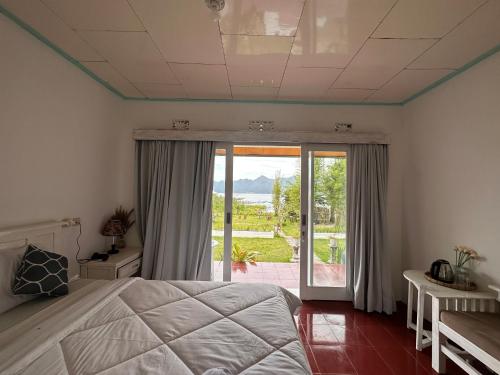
column 420, row 317
column 409, row 306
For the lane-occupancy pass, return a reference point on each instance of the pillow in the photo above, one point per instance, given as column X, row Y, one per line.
column 10, row 259
column 42, row 273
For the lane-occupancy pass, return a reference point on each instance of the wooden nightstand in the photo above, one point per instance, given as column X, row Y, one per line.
column 124, row 264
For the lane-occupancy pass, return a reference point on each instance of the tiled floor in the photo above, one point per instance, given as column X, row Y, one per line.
column 282, row 274
column 341, row 340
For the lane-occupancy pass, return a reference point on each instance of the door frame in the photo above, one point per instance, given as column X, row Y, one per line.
column 307, row 290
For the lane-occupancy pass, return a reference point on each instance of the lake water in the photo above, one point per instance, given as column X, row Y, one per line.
column 250, row 198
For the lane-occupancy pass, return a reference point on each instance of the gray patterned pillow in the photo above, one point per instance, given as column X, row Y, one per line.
column 42, row 273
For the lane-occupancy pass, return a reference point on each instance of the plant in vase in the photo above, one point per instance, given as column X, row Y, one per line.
column 463, row 255
column 124, row 217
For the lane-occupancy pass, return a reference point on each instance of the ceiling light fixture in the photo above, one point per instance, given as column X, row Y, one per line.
column 215, row 5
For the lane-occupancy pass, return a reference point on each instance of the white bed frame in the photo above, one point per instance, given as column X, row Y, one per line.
column 47, row 235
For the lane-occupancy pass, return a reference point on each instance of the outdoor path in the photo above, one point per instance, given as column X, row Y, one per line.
column 293, row 242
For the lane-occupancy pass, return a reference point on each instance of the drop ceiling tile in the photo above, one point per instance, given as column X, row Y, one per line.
column 133, row 54
column 184, row 30
column 255, row 75
column 262, row 51
column 115, row 15
column 161, row 90
column 331, row 31
column 348, row 95
column 203, row 81
column 309, row 78
column 109, row 74
column 425, row 18
column 308, row 94
column 254, row 93
column 476, row 35
column 379, row 60
column 261, row 17
column 43, row 20
column 407, row 83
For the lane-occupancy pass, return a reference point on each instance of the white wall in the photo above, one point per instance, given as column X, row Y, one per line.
column 452, row 179
column 57, row 140
column 235, row 116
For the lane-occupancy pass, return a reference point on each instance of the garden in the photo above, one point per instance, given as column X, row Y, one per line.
column 261, row 234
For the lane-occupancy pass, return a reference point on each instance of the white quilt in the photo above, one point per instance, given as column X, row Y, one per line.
column 134, row 326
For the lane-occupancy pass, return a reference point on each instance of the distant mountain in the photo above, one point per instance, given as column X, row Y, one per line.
column 261, row 185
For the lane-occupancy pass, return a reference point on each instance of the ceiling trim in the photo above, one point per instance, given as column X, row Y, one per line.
column 453, row 74
column 87, row 71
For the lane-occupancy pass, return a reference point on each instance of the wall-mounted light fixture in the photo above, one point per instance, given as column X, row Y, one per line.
column 260, row 125
column 342, row 127
column 180, row 124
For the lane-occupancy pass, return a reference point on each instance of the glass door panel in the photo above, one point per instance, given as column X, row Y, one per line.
column 324, row 222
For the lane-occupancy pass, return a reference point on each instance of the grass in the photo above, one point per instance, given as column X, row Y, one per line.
column 263, row 223
column 270, row 249
column 322, row 249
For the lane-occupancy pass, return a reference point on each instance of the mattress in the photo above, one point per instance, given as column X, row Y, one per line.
column 134, row 326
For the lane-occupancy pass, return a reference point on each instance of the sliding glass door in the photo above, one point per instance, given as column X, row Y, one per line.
column 280, row 216
column 323, row 247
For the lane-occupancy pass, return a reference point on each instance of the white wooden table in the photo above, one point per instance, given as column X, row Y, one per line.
column 451, row 298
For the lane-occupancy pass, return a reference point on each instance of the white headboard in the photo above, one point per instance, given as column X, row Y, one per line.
column 47, row 235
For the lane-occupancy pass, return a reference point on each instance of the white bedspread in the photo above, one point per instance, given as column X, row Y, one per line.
column 134, row 326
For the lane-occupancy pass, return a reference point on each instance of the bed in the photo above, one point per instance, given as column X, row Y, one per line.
column 137, row 326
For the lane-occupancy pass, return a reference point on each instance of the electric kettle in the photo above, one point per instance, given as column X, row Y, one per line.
column 441, row 270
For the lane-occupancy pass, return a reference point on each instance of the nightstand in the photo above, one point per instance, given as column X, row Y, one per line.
column 124, row 264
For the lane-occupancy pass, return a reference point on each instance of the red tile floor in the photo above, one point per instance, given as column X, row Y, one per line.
column 282, row 274
column 341, row 340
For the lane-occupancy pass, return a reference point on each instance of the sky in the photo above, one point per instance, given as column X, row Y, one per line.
column 253, row 167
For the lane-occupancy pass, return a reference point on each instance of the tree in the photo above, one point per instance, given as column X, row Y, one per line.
column 277, row 197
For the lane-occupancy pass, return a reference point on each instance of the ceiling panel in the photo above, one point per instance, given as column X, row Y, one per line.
column 256, row 60
column 42, row 19
column 348, row 95
column 425, row 18
column 379, row 60
column 113, row 15
column 299, row 94
column 109, row 74
column 407, row 83
column 309, row 78
column 476, row 35
column 244, row 50
column 184, row 30
column 255, row 75
column 133, row 54
column 161, row 90
column 254, row 93
column 203, row 81
column 332, row 31
column 261, row 17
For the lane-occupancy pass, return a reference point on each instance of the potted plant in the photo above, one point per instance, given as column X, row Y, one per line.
column 124, row 216
column 240, row 257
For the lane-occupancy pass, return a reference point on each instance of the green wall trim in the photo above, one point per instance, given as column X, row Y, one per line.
column 249, row 101
column 58, row 50
column 87, row 71
column 460, row 70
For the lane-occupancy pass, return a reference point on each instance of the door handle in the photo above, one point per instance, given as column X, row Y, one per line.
column 228, row 217
column 304, row 220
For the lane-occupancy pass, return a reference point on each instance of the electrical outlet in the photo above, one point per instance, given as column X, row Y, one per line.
column 180, row 124
column 71, row 222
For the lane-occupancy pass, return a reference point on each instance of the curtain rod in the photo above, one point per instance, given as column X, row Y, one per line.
column 265, row 136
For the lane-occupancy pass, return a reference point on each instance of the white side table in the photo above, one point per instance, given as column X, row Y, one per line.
column 416, row 279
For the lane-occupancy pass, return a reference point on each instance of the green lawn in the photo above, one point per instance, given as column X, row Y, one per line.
column 322, row 249
column 270, row 249
column 263, row 223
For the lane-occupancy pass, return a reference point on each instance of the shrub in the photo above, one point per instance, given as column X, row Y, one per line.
column 240, row 255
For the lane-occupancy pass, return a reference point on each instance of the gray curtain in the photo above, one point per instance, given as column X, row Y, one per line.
column 369, row 280
column 174, row 208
